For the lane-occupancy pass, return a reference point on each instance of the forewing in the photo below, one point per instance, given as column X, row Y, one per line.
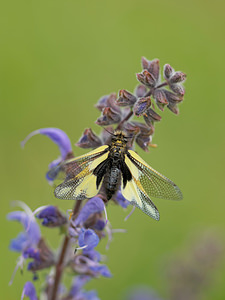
column 80, row 183
column 154, row 183
column 135, row 193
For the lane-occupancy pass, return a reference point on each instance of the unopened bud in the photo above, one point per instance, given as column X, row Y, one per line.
column 160, row 98
column 125, row 98
column 140, row 90
column 141, row 106
column 168, row 71
column 178, row 77
column 109, row 116
column 89, row 140
column 150, row 116
column 177, row 89
column 146, row 78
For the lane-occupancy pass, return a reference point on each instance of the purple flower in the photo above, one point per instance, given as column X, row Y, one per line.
column 31, row 235
column 32, row 253
column 121, row 200
column 93, row 206
column 29, row 291
column 84, row 265
column 99, row 225
column 101, row 269
column 60, row 138
column 52, row 217
column 88, row 239
column 42, row 257
column 78, row 284
column 76, row 291
column 92, row 254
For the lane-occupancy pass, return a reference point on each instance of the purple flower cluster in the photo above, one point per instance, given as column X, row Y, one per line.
column 88, row 223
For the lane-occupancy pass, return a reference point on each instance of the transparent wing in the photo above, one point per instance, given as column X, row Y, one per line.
column 153, row 183
column 79, row 182
column 135, row 193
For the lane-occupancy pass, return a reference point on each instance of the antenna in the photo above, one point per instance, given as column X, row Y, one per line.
column 108, row 131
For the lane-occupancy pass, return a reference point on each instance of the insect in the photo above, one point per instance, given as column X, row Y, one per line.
column 111, row 167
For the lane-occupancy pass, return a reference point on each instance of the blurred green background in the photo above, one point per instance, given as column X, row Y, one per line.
column 57, row 59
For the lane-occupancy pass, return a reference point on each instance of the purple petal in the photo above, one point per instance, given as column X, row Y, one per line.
column 58, row 136
column 78, row 283
column 88, row 238
column 54, row 163
column 52, row 217
column 31, row 227
column 100, row 224
column 92, row 254
column 32, row 253
column 19, row 243
column 48, row 211
column 34, row 233
column 121, row 200
column 94, row 205
column 29, row 291
column 19, row 216
column 101, row 269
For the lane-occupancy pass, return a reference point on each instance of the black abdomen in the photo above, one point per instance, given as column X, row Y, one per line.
column 112, row 181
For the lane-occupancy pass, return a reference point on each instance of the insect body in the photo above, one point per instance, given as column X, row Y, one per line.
column 111, row 167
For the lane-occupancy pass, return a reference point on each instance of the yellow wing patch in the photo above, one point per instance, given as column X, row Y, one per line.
column 154, row 183
column 79, row 182
column 135, row 193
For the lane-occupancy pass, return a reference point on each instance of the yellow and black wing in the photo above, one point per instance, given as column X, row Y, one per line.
column 79, row 180
column 137, row 196
column 147, row 182
column 154, row 183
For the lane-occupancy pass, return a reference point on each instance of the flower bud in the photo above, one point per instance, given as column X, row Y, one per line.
column 146, row 78
column 140, row 90
column 89, row 140
column 141, row 106
column 145, row 63
column 125, row 98
column 168, row 71
column 160, row 98
column 150, row 116
column 151, row 66
column 177, row 89
column 109, row 116
column 144, row 129
column 178, row 77
column 52, row 217
column 108, row 101
column 171, row 97
column 173, row 107
column 173, row 100
column 143, row 141
column 131, row 128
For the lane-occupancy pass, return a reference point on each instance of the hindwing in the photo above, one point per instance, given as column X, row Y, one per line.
column 147, row 182
column 154, row 183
